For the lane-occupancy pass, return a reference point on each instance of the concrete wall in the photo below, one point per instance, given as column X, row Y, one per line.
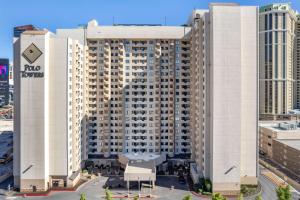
column 17, row 114
column 233, row 87
column 34, row 97
column 286, row 156
column 58, row 123
column 249, row 91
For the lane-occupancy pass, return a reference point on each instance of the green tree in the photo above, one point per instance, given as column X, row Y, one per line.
column 284, row 193
column 218, row 196
column 108, row 195
column 136, row 197
column 258, row 197
column 82, row 196
column 241, row 196
column 187, row 197
column 207, row 185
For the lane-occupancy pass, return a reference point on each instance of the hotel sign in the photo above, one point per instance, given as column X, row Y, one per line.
column 31, row 54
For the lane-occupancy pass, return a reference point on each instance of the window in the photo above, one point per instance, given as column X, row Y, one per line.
column 283, row 21
column 283, row 61
column 266, row 22
column 276, row 20
column 276, row 60
column 270, row 21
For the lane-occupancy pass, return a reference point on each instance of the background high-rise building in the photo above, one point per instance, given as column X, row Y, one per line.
column 4, row 81
column 145, row 90
column 18, row 30
column 279, row 72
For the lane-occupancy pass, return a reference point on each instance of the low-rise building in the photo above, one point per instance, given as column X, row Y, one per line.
column 280, row 142
column 270, row 131
column 288, row 154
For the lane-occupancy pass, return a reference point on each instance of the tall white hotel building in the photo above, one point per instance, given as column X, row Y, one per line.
column 174, row 92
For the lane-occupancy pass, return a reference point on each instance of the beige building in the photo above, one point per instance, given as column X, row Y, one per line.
column 280, row 142
column 48, row 115
column 279, row 67
column 140, row 92
column 270, row 131
column 224, row 95
column 287, row 154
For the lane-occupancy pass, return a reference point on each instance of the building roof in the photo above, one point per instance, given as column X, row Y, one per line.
column 35, row 32
column 292, row 143
column 278, row 7
column 135, row 31
column 281, row 125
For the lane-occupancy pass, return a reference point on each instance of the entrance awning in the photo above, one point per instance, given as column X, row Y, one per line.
column 140, row 171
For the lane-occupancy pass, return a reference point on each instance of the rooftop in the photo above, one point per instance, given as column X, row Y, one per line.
column 94, row 31
column 279, row 7
column 281, row 126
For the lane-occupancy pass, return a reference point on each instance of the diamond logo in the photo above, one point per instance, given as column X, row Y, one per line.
column 32, row 53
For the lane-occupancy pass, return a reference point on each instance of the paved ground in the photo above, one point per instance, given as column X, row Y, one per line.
column 269, row 188
column 95, row 191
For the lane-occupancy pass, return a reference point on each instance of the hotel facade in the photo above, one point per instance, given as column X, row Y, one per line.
column 279, row 32
column 100, row 93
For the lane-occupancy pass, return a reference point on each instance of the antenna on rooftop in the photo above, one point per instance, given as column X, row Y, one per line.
column 165, row 21
column 113, row 20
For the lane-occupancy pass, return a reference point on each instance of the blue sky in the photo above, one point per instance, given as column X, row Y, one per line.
column 52, row 14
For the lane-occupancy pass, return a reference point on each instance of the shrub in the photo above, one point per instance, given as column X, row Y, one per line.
column 283, row 193
column 136, row 197
column 82, row 196
column 241, row 197
column 206, row 193
column 258, row 197
column 108, row 195
column 207, row 185
column 187, row 197
column 244, row 189
column 218, row 196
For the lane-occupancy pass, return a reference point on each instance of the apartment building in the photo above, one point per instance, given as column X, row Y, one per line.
column 179, row 92
column 279, row 71
column 297, row 64
column 142, row 92
column 48, row 110
column 224, row 95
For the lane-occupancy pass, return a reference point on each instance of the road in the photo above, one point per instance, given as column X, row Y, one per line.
column 269, row 188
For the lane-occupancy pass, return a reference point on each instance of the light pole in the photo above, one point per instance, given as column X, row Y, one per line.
column 150, row 187
column 139, row 185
